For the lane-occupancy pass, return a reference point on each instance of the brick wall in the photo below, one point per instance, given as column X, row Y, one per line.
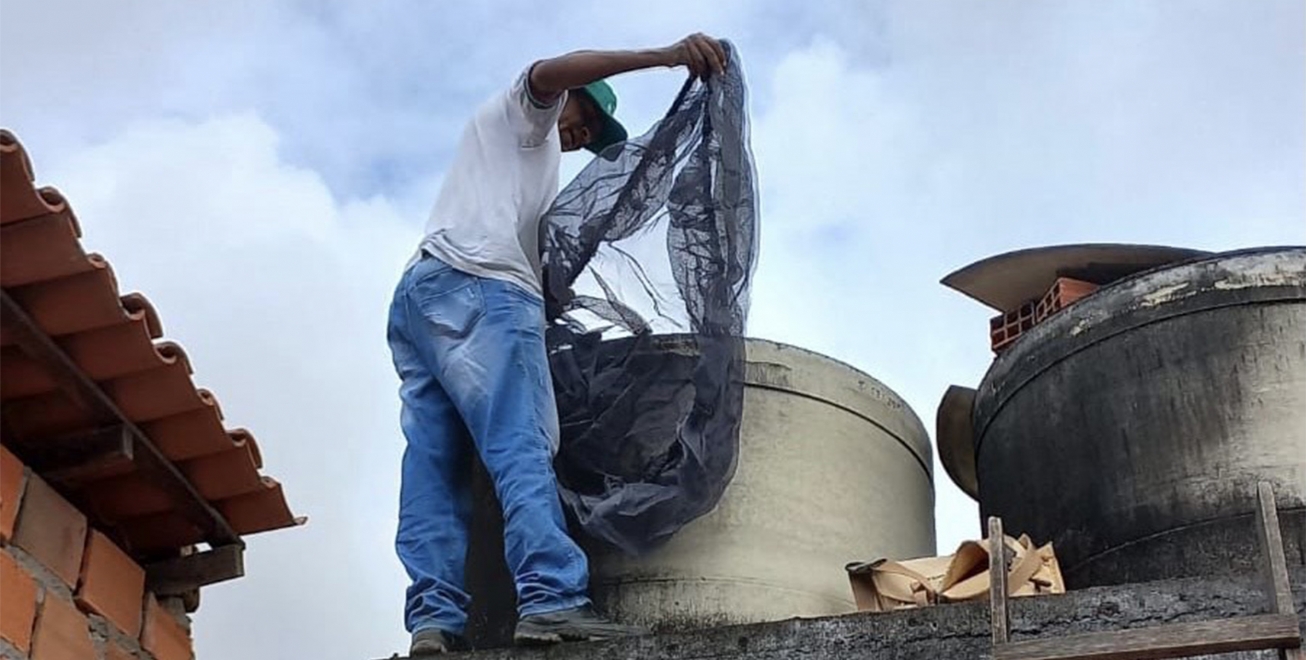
column 67, row 592
column 1005, row 329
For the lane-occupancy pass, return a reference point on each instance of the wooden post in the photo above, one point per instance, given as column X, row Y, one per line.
column 998, row 581
column 1274, row 565
column 70, row 459
column 179, row 576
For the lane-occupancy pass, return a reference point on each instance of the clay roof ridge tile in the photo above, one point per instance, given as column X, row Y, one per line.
column 172, row 352
column 242, row 437
column 31, row 202
column 139, row 306
column 209, row 399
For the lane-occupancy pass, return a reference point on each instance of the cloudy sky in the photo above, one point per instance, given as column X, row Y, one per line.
column 262, row 169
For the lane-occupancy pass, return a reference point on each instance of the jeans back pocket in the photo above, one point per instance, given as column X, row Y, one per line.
column 448, row 298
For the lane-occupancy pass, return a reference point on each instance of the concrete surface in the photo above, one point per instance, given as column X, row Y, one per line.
column 834, row 467
column 1151, row 409
column 950, row 631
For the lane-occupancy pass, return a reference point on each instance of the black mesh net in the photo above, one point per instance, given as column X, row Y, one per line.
column 648, row 258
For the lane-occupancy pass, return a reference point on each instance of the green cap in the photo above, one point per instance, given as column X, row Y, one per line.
column 605, row 99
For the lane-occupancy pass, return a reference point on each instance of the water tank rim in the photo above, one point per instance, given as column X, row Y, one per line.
column 916, row 439
column 1125, row 305
column 680, row 338
column 918, row 442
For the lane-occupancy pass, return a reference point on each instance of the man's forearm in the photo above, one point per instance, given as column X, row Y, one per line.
column 551, row 77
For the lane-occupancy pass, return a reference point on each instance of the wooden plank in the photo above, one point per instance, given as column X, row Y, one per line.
column 178, row 577
column 998, row 581
column 1273, row 561
column 33, row 341
column 190, row 601
column 77, row 458
column 1179, row 640
column 1274, row 565
column 148, row 459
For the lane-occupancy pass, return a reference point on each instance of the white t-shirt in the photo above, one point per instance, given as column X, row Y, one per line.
column 503, row 178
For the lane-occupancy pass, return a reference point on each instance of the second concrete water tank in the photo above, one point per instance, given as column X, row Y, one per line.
column 833, row 467
column 1132, row 428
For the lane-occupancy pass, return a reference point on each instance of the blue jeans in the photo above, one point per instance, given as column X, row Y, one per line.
column 475, row 376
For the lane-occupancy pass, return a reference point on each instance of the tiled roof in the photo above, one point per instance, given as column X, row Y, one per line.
column 114, row 341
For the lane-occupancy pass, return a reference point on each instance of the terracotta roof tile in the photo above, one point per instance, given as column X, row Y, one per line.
column 256, row 511
column 115, row 340
column 42, row 249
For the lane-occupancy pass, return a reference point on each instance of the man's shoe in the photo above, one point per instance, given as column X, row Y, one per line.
column 574, row 625
column 432, row 642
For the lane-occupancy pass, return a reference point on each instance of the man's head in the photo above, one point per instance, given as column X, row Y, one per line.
column 587, row 121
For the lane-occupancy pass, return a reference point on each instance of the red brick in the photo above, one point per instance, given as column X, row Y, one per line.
column 162, row 635
column 62, row 632
column 11, row 493
column 51, row 530
column 112, row 585
column 1006, row 328
column 1063, row 292
column 18, row 605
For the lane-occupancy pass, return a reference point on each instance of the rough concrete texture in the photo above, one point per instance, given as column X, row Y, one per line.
column 1132, row 428
column 775, row 545
column 947, row 631
column 1225, row 546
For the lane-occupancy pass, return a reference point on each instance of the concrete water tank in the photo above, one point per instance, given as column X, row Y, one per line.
column 833, row 467
column 1131, row 428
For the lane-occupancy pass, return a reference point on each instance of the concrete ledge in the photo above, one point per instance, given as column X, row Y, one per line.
column 946, row 631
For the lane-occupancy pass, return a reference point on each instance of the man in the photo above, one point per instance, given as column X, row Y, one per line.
column 467, row 333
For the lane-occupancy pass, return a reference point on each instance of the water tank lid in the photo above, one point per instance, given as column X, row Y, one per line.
column 1009, row 280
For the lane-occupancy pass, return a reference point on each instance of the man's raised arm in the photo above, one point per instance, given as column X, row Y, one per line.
column 550, row 78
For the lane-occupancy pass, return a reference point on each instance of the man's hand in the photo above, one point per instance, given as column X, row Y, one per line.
column 703, row 55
